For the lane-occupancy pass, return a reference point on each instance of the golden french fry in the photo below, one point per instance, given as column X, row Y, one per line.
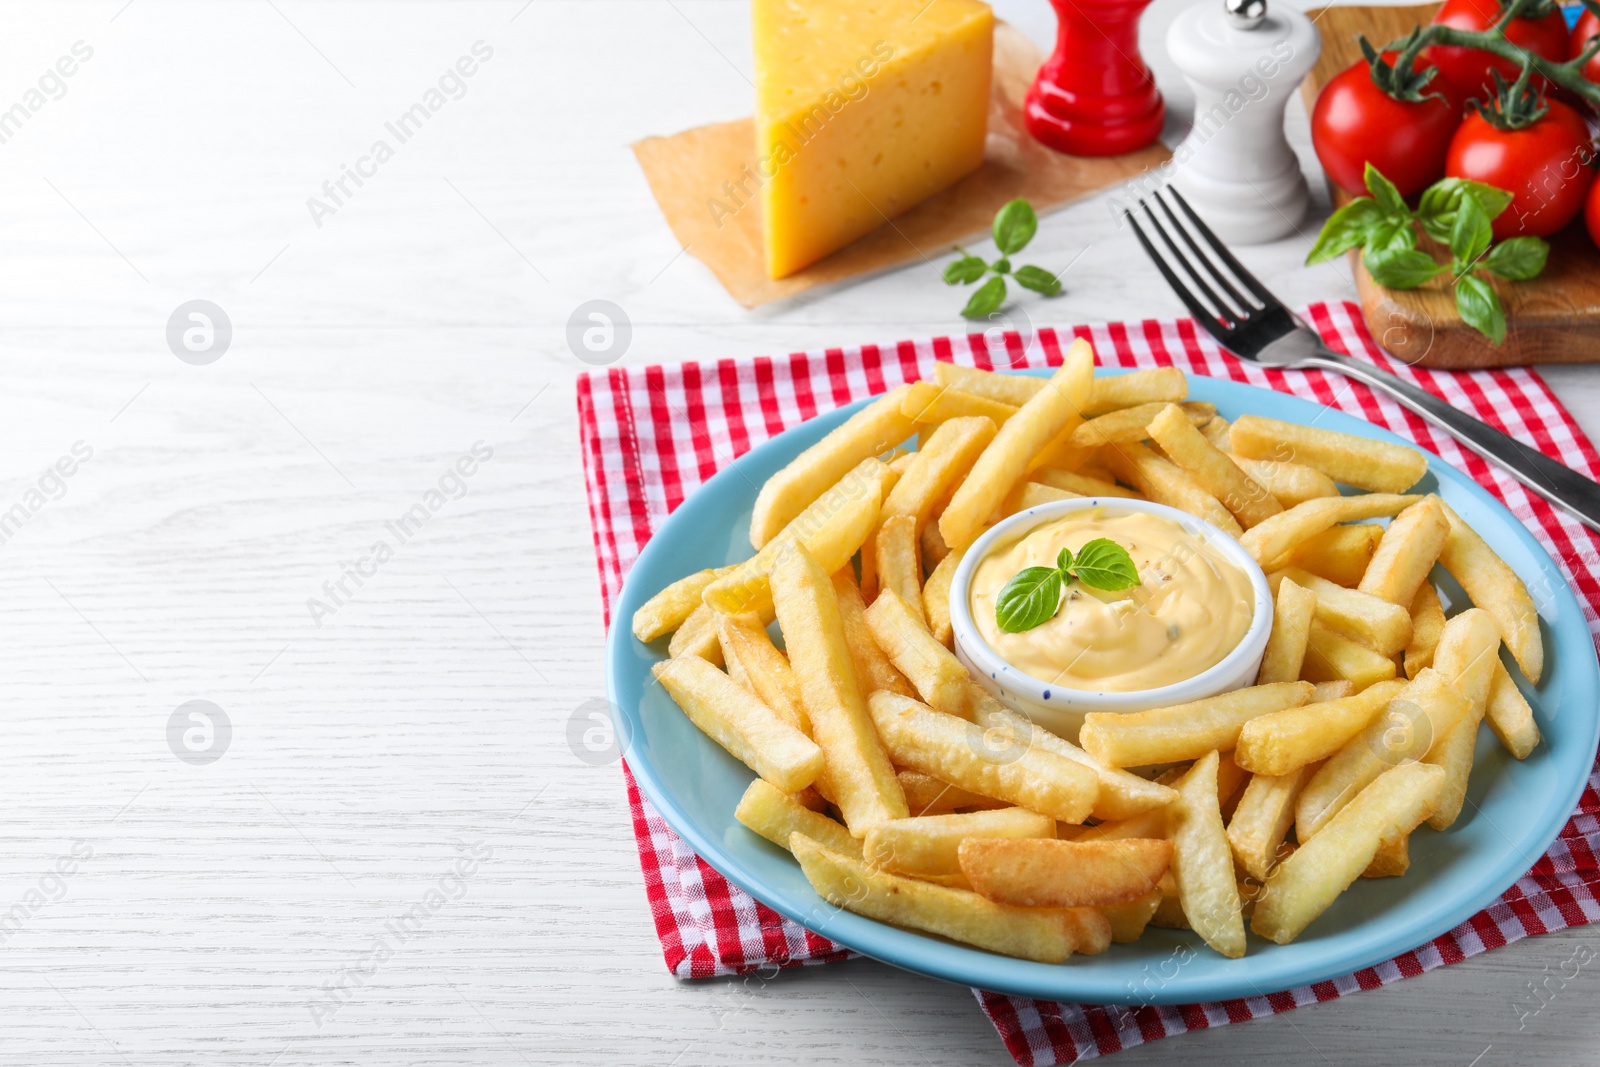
column 1062, row 453
column 873, row 669
column 1510, row 717
column 858, row 770
column 1407, row 553
column 775, row 815
column 1291, row 626
column 1047, row 935
column 1036, row 872
column 1377, row 466
column 1495, row 587
column 1278, row 535
column 1013, row 389
column 765, row 671
column 1216, row 431
column 1129, row 918
column 1468, row 653
column 926, row 795
column 831, row 529
column 1339, row 553
column 1169, row 913
column 1393, row 857
column 958, row 751
column 1166, row 483
column 668, row 609
column 1164, row 385
column 1331, row 655
column 1133, row 424
column 697, row 637
column 936, row 597
column 1289, row 483
column 1202, row 862
column 1262, row 818
column 1079, row 483
column 873, row 430
column 938, row 466
column 1302, row 887
column 1276, row 744
column 1337, row 689
column 1151, row 823
column 1248, row 500
column 1427, row 621
column 928, row 404
column 927, row 846
column 934, row 550
column 1032, row 494
column 1055, row 408
column 932, row 669
column 738, row 721
column 899, row 568
column 1379, row 624
column 1402, row 732
column 1184, row 731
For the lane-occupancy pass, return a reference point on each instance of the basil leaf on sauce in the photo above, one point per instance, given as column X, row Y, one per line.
column 1028, row 600
column 1104, row 564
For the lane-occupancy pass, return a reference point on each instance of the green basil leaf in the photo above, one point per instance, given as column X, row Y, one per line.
column 1518, row 259
column 1401, row 268
column 1440, row 201
column 965, row 271
column 1471, row 233
column 1387, row 196
column 1391, row 234
column 1347, row 228
column 987, row 300
column 1064, row 561
column 1480, row 308
column 1039, row 280
column 1014, row 226
column 1104, row 564
column 1492, row 200
column 1028, row 600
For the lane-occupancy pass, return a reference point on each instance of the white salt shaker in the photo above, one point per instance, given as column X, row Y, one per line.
column 1236, row 167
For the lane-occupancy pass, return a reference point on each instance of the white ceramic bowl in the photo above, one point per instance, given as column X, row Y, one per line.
column 1060, row 709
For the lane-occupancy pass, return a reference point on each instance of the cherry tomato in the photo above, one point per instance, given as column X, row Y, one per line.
column 1588, row 26
column 1543, row 166
column 1354, row 122
column 1468, row 68
column 1591, row 213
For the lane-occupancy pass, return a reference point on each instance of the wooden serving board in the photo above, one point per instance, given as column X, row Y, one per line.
column 1555, row 318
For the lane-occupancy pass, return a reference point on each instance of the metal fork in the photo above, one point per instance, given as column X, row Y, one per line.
column 1257, row 327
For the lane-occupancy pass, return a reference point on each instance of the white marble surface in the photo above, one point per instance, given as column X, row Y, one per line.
column 426, row 715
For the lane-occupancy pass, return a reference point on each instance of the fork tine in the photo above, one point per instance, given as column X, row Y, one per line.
column 1240, row 303
column 1202, row 314
column 1223, row 312
column 1247, row 279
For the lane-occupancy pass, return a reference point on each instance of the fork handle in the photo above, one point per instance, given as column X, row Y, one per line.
column 1557, row 483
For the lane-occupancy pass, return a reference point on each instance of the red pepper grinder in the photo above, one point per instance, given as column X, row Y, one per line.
column 1094, row 96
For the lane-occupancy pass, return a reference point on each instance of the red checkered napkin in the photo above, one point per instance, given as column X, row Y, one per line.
column 651, row 435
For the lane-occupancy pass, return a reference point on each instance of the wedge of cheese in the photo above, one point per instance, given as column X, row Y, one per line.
column 864, row 108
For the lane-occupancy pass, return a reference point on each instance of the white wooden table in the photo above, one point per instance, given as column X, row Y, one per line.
column 396, row 858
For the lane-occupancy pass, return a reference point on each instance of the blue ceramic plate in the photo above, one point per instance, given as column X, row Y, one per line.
column 1514, row 809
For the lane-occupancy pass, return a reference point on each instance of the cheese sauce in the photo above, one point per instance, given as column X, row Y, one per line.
column 1191, row 609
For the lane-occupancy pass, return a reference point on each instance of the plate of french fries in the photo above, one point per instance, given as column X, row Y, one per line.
column 1421, row 728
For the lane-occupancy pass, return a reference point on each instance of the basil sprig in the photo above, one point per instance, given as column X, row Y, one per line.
column 1014, row 226
column 1033, row 597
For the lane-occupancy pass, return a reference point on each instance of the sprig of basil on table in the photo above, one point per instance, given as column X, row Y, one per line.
column 1453, row 211
column 1033, row 597
column 1014, row 226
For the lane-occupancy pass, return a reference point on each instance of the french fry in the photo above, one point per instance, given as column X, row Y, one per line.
column 1216, row 431
column 1062, row 453
column 871, row 431
column 1202, row 862
column 1151, row 823
column 1169, row 913
column 1166, row 483
column 934, row 550
column 1376, row 466
column 1407, row 553
column 1046, row 935
column 927, row 404
column 1262, row 819
column 926, row 795
column 667, row 610
column 1468, row 653
column 1013, row 389
column 1080, row 484
column 1393, row 857
column 926, row 846
column 933, row 670
column 1035, row 872
column 735, row 719
column 1337, row 689
column 776, row 815
column 1510, row 717
column 831, row 529
column 697, row 637
column 1032, row 494
column 1129, row 918
column 956, row 751
column 858, row 770
column 899, row 568
column 1284, row 741
column 1331, row 655
column 1302, row 887
column 1427, row 622
column 1184, row 731
column 936, row 597
column 766, row 672
column 1163, row 385
column 1495, row 587
column 873, row 669
column 1133, row 424
column 1340, row 553
column 1402, row 732
column 1289, row 483
column 1279, row 535
column 1055, row 408
column 937, row 467
column 1247, row 499
column 1379, row 624
column 1291, row 626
